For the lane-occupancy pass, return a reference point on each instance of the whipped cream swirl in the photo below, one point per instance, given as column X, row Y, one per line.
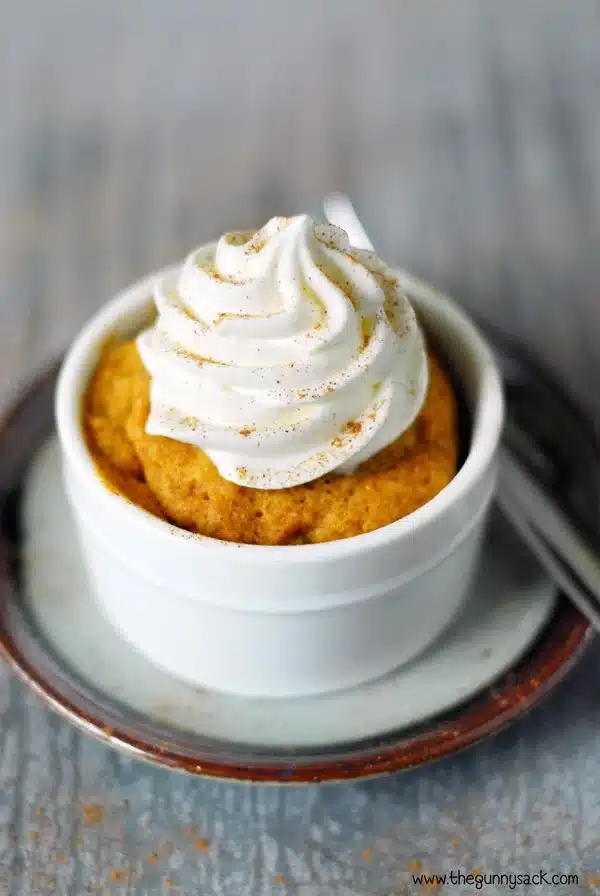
column 283, row 354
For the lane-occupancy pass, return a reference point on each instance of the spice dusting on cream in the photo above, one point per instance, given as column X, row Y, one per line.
column 284, row 354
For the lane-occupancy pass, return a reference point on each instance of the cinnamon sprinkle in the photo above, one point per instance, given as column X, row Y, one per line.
column 353, row 427
column 92, row 814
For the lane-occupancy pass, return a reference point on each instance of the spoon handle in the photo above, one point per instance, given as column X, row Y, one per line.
column 340, row 211
column 552, row 524
column 563, row 576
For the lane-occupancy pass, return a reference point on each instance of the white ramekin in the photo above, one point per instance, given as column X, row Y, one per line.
column 283, row 621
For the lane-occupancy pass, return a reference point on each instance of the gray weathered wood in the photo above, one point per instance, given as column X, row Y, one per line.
column 468, row 132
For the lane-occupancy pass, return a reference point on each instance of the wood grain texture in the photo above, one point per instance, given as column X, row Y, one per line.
column 468, row 132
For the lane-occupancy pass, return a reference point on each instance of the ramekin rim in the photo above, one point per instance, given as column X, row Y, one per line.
column 485, row 434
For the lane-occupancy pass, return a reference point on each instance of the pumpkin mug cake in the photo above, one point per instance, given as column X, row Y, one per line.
column 283, row 395
column 260, row 447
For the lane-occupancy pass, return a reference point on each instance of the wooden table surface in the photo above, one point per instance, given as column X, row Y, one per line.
column 468, row 132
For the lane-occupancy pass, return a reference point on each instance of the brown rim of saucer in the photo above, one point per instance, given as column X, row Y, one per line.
column 556, row 651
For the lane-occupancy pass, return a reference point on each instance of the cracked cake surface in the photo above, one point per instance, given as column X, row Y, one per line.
column 178, row 483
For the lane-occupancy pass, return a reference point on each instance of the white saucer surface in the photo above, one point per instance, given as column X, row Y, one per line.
column 510, row 604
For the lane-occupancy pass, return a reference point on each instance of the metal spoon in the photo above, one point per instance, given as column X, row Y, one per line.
column 540, row 501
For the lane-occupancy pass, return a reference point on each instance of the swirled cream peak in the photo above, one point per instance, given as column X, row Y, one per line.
column 284, row 355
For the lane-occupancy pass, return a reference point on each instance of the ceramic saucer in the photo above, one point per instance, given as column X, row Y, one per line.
column 514, row 641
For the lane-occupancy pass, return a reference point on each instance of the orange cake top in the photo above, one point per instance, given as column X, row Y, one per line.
column 177, row 481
